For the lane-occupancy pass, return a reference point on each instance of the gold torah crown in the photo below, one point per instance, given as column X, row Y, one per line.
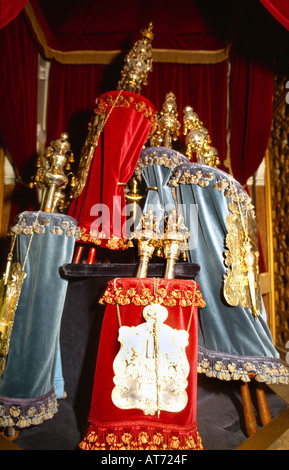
column 198, row 140
column 168, row 127
column 138, row 63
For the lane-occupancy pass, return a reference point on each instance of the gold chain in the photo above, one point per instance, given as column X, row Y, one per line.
column 192, row 307
column 110, row 111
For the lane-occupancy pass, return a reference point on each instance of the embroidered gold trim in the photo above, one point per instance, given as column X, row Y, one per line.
column 101, row 239
column 158, row 157
column 125, row 102
column 241, row 282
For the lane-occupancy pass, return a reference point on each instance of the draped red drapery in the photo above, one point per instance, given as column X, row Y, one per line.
column 9, row 10
column 251, row 94
column 18, row 103
column 279, row 9
column 129, row 120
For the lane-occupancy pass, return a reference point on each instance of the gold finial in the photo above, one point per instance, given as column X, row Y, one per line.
column 190, row 120
column 51, row 176
column 198, row 140
column 138, row 63
column 148, row 32
column 174, row 241
column 168, row 127
column 147, row 241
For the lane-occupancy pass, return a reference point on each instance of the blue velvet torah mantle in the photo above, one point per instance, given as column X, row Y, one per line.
column 232, row 343
column 27, row 392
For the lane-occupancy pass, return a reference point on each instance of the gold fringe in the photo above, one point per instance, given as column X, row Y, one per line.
column 125, row 294
column 23, row 416
column 134, row 438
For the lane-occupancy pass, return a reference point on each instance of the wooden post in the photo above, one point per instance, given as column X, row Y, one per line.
column 264, row 411
column 249, row 415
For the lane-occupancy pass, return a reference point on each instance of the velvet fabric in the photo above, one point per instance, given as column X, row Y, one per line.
column 232, row 342
column 92, row 27
column 34, row 359
column 114, row 428
column 9, row 10
column 251, row 92
column 279, row 9
column 99, row 208
column 18, row 94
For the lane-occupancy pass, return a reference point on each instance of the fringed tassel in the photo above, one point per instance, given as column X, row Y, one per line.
column 238, row 368
column 139, row 438
column 24, row 413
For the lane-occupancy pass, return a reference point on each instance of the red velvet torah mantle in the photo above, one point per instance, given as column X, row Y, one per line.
column 111, row 427
column 99, row 209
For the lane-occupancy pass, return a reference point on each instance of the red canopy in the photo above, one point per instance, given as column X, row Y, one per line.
column 90, row 31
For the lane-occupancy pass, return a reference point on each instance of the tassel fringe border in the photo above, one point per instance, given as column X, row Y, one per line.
column 265, row 370
column 24, row 413
column 137, row 437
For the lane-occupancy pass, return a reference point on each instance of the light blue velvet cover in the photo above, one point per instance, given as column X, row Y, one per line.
column 33, row 367
column 232, row 342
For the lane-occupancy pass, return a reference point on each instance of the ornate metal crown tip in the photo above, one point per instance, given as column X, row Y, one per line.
column 148, row 32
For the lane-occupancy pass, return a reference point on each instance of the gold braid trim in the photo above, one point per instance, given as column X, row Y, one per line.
column 101, row 239
column 125, row 102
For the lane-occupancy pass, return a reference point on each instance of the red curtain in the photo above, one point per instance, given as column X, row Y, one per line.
column 251, row 93
column 9, row 10
column 72, row 93
column 279, row 9
column 89, row 25
column 251, row 115
column 18, row 116
column 74, row 88
column 194, row 85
